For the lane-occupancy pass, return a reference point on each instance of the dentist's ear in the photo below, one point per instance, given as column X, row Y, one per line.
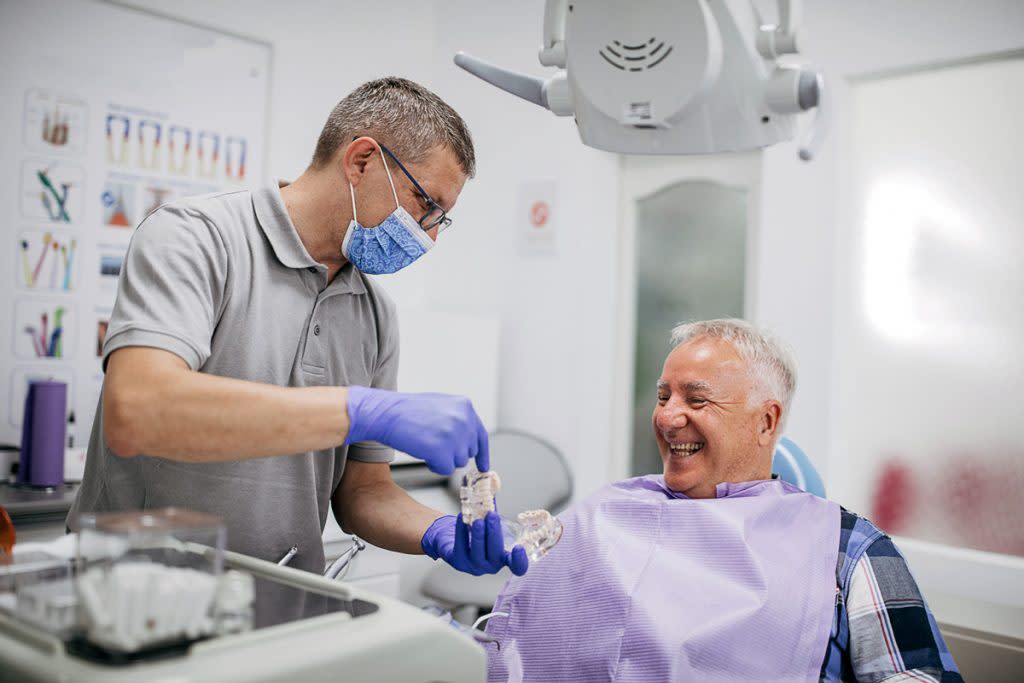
column 356, row 157
column 771, row 417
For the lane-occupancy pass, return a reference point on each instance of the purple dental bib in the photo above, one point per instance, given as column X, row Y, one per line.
column 649, row 585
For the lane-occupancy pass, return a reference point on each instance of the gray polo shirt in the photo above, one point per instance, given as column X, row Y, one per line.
column 224, row 282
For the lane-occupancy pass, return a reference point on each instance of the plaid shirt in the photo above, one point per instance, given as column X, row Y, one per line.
column 883, row 629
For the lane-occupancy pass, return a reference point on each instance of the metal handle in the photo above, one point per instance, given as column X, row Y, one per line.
column 340, row 566
column 287, row 557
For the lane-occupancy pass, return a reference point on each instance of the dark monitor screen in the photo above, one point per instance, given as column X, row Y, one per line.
column 278, row 603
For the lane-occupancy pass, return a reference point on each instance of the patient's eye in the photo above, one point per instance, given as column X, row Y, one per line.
column 697, row 401
column 662, row 398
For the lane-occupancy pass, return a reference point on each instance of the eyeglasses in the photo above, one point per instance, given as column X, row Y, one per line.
column 435, row 215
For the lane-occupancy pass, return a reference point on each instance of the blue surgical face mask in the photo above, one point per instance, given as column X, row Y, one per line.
column 387, row 248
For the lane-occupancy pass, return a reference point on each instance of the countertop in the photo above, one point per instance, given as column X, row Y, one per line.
column 24, row 502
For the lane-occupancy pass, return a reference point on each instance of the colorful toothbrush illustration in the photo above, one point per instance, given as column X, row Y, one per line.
column 25, row 264
column 42, row 255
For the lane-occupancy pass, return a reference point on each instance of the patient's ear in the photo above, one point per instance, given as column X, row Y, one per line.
column 768, row 426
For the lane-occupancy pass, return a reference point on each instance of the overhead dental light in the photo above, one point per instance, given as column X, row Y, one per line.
column 670, row 76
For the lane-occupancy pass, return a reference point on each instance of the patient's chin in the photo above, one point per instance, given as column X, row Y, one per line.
column 679, row 481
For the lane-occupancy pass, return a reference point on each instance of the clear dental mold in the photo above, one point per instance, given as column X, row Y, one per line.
column 537, row 531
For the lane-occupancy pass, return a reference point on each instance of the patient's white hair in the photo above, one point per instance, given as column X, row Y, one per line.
column 770, row 359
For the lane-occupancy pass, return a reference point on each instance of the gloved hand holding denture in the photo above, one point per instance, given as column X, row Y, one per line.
column 477, row 548
column 534, row 532
column 440, row 429
column 473, row 541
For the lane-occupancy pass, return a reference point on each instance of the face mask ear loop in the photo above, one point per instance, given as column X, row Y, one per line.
column 352, row 194
column 388, row 171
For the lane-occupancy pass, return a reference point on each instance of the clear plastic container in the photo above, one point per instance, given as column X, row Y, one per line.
column 36, row 588
column 149, row 578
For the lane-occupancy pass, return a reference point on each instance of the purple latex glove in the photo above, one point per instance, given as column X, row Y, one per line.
column 441, row 429
column 475, row 549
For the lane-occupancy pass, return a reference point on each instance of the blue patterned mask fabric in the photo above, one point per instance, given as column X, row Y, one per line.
column 387, row 248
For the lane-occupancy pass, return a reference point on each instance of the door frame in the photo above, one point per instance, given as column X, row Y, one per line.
column 641, row 177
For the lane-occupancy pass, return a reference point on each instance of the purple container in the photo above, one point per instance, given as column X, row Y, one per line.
column 42, row 434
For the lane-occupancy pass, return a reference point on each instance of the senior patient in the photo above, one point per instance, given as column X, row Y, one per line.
column 714, row 570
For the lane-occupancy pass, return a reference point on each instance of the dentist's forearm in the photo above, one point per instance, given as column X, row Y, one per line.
column 383, row 514
column 153, row 404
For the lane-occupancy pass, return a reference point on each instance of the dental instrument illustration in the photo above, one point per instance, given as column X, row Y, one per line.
column 60, row 269
column 61, row 213
column 42, row 255
column 178, row 163
column 57, row 342
column 53, row 351
column 152, row 158
column 234, row 143
column 34, row 335
column 69, row 263
column 54, row 265
column 119, row 216
column 48, row 342
column 26, row 266
column 55, row 132
column 207, row 153
column 117, row 156
column 42, row 337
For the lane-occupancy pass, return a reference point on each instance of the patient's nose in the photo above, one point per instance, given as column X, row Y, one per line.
column 671, row 418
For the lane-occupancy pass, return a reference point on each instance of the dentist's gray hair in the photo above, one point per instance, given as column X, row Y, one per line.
column 770, row 360
column 403, row 116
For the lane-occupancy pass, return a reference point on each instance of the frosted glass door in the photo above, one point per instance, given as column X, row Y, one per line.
column 929, row 419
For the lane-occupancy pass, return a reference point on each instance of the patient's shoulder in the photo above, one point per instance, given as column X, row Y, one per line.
column 857, row 536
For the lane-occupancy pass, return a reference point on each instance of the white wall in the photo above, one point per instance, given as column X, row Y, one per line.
column 556, row 311
column 803, row 204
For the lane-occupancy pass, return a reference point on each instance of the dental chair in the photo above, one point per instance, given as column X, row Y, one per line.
column 794, row 467
column 534, row 475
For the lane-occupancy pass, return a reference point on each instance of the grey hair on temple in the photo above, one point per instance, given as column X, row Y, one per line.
column 770, row 360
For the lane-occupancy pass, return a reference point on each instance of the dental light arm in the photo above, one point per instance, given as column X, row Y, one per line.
column 530, row 88
column 670, row 76
column 774, row 40
column 553, row 51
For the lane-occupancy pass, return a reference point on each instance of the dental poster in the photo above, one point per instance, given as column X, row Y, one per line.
column 108, row 113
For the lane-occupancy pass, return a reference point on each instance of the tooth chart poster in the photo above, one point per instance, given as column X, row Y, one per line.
column 108, row 112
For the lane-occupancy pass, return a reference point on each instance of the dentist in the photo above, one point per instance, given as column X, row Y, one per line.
column 250, row 363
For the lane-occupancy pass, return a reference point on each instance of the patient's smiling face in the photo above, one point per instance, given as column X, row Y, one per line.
column 708, row 422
